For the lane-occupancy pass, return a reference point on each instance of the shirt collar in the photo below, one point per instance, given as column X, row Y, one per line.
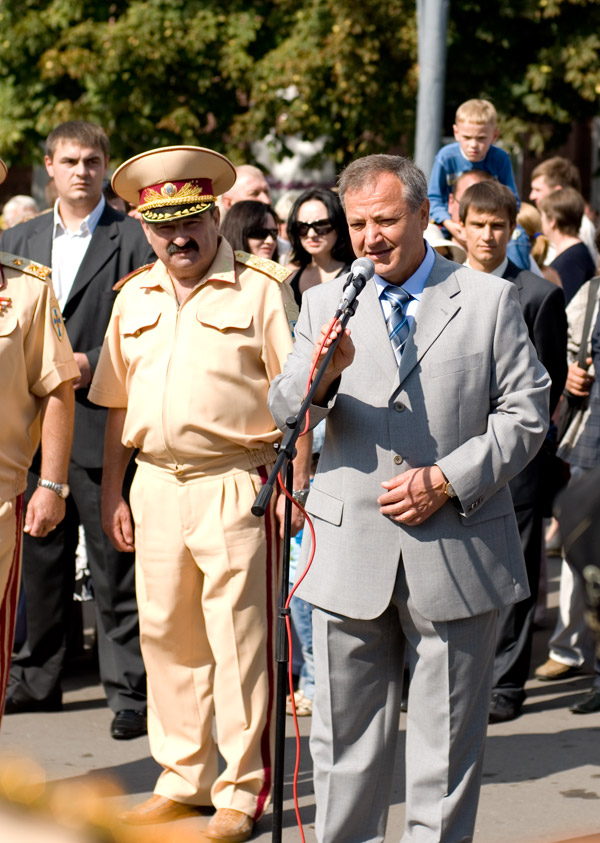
column 416, row 283
column 87, row 226
column 499, row 271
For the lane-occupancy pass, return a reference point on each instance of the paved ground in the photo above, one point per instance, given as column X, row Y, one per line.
column 541, row 778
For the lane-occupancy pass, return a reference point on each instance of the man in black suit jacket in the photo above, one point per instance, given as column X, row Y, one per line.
column 90, row 247
column 488, row 212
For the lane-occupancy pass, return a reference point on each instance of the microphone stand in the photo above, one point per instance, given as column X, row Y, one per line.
column 286, row 451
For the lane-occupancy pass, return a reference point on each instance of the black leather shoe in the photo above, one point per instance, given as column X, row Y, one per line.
column 128, row 724
column 503, row 709
column 588, row 704
column 16, row 706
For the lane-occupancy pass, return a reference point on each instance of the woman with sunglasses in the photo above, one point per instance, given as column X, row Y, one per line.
column 318, row 232
column 251, row 227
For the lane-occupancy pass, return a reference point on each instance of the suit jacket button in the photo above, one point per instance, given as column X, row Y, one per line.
column 398, row 459
column 399, row 407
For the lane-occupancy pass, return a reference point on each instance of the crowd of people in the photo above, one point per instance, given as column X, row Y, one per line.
column 155, row 336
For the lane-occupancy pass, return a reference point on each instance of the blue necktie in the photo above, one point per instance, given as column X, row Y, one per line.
column 397, row 322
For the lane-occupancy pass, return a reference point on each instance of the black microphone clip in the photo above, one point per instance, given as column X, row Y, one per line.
column 361, row 271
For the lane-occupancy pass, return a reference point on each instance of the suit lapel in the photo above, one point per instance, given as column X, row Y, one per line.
column 40, row 242
column 436, row 309
column 104, row 242
column 513, row 273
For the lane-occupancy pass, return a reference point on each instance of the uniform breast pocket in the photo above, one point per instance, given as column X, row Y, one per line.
column 225, row 321
column 136, row 326
column 8, row 323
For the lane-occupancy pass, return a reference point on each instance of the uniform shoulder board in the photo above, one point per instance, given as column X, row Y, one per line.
column 131, row 275
column 270, row 268
column 38, row 270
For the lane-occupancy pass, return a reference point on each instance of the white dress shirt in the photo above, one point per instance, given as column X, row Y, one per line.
column 499, row 271
column 69, row 248
column 413, row 285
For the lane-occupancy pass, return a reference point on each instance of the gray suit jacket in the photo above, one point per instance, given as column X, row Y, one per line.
column 471, row 396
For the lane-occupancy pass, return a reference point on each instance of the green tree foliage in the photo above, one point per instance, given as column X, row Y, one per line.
column 538, row 60
column 341, row 69
column 156, row 72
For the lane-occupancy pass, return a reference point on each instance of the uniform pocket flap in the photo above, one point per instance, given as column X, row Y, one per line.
column 224, row 320
column 325, row 506
column 8, row 323
column 133, row 325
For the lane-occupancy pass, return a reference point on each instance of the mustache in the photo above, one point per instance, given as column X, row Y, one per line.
column 191, row 245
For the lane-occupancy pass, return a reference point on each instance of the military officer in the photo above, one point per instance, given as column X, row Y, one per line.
column 193, row 344
column 36, row 373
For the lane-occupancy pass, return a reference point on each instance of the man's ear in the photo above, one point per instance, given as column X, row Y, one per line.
column 496, row 135
column 49, row 167
column 451, row 203
column 146, row 229
column 455, row 130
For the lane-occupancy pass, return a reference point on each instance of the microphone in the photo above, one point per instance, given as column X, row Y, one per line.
column 361, row 271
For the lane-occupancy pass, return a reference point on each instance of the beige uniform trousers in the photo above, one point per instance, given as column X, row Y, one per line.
column 207, row 573
column 11, row 544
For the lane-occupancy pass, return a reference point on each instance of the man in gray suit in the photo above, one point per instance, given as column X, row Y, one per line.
column 433, row 404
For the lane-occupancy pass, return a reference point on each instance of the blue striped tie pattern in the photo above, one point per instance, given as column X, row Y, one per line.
column 397, row 322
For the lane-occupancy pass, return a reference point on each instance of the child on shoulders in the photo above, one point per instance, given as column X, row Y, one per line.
column 475, row 130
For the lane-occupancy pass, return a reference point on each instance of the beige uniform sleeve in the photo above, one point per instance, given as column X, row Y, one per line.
column 109, row 385
column 281, row 318
column 48, row 354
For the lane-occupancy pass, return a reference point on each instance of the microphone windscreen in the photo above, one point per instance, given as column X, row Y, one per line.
column 363, row 267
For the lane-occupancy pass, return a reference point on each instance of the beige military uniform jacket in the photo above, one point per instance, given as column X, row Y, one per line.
column 194, row 377
column 35, row 358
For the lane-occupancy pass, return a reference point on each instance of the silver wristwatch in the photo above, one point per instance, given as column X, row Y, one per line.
column 300, row 495
column 61, row 489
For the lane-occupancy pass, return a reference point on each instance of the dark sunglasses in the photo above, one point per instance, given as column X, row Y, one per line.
column 262, row 233
column 318, row 226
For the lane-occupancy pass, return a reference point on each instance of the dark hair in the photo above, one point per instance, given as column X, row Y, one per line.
column 342, row 249
column 363, row 172
column 242, row 218
column 566, row 207
column 489, row 197
column 83, row 133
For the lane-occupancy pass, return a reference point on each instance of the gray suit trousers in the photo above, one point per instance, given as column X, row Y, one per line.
column 359, row 667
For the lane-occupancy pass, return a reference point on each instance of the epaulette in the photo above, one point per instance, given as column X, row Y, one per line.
column 131, row 275
column 270, row 268
column 38, row 270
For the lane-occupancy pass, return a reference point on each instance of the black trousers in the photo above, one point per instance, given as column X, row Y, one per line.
column 514, row 632
column 48, row 581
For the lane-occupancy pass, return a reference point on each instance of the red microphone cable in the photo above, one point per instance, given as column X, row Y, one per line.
column 288, row 624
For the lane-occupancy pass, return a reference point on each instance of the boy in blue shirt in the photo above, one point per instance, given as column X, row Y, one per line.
column 475, row 131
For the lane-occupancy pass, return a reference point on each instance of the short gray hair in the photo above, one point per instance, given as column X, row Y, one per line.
column 19, row 208
column 363, row 172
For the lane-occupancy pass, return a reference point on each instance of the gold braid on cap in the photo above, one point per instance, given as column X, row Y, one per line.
column 187, row 195
column 187, row 211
